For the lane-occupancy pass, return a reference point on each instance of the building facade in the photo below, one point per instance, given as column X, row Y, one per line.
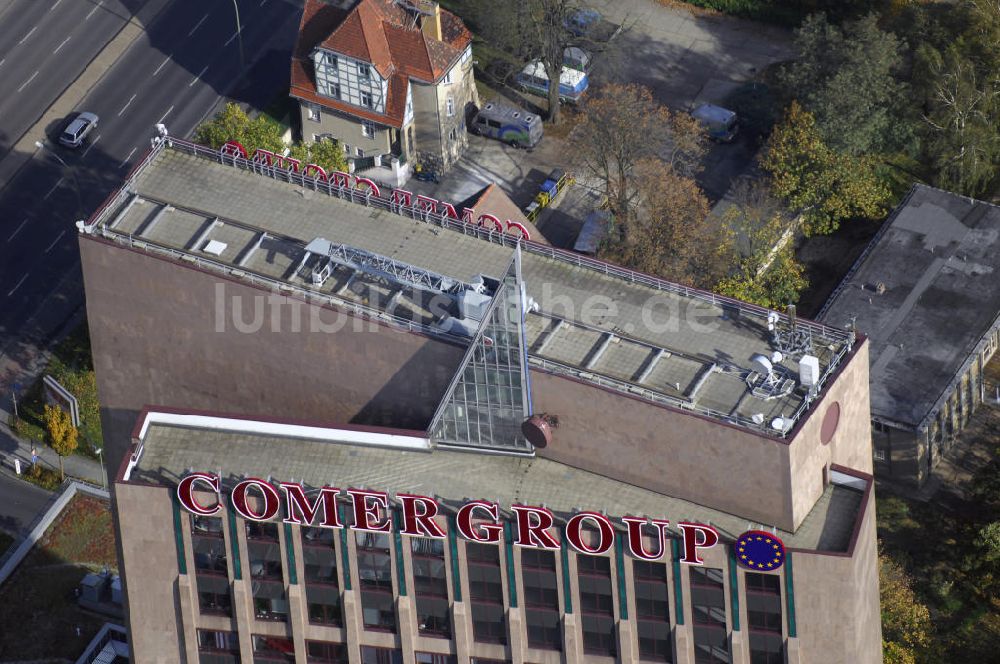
column 923, row 292
column 390, row 80
column 362, row 342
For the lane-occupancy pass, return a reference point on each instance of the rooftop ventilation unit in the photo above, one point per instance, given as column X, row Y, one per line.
column 809, row 370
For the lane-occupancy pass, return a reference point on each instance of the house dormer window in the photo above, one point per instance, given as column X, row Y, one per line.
column 330, row 60
column 364, row 70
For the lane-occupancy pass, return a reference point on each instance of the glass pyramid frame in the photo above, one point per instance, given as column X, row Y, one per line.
column 489, row 396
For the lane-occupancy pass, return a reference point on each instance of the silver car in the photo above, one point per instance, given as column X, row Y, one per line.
column 78, row 129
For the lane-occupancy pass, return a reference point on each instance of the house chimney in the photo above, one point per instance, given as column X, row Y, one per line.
column 431, row 21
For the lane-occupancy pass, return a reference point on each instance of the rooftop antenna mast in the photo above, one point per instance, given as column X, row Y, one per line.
column 792, row 339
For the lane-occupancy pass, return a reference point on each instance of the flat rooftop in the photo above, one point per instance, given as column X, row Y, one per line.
column 925, row 292
column 318, row 457
column 600, row 323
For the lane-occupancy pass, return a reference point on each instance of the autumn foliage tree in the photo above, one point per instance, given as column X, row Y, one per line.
column 621, row 126
column 906, row 622
column 825, row 187
column 233, row 124
column 61, row 434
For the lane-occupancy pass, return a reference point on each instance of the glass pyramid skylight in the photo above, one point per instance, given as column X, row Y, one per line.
column 489, row 397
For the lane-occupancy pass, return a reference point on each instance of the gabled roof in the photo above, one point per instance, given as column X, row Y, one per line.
column 495, row 200
column 380, row 32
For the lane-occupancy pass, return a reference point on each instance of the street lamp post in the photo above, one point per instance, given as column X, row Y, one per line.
column 76, row 181
column 100, row 455
column 239, row 35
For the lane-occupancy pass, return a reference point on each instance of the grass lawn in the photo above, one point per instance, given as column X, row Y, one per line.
column 39, row 598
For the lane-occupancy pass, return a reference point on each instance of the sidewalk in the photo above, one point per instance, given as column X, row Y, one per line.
column 78, row 466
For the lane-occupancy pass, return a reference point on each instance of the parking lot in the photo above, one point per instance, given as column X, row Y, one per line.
column 685, row 58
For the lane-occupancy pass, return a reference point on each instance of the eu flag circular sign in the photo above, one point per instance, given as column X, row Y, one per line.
column 760, row 550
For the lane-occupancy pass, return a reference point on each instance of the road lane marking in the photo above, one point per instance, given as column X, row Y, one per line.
column 96, row 7
column 165, row 61
column 128, row 157
column 54, row 5
column 197, row 25
column 3, row 61
column 61, row 45
column 54, row 187
column 18, row 285
column 24, row 38
column 262, row 3
column 198, row 77
column 25, row 84
column 165, row 115
column 55, row 241
column 126, row 105
column 92, row 144
column 235, row 35
column 17, row 230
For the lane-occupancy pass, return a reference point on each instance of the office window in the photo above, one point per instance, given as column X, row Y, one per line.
column 375, row 572
column 373, row 655
column 326, row 652
column 319, row 558
column 218, row 647
column 764, row 617
column 368, row 129
column 879, row 454
column 364, row 70
column 708, row 601
column 434, row 658
column 272, row 649
column 597, row 605
column 314, row 113
column 366, row 99
column 449, row 104
column 652, row 611
column 264, row 553
column 541, row 598
column 489, row 623
column 430, row 585
column 210, row 565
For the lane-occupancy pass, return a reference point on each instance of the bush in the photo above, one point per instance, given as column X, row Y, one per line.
column 755, row 105
column 43, row 477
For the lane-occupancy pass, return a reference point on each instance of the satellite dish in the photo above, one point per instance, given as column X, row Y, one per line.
column 758, row 418
column 762, row 364
column 778, row 424
column 776, row 357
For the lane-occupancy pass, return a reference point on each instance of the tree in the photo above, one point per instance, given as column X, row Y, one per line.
column 757, row 244
column 670, row 235
column 328, row 153
column 845, row 78
column 62, row 435
column 233, row 124
column 824, row 186
column 906, row 623
column 540, row 30
column 963, row 141
column 620, row 126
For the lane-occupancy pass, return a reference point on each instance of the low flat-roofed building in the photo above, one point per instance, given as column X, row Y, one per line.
column 227, row 283
column 926, row 294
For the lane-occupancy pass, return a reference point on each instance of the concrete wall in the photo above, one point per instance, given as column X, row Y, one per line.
column 694, row 458
column 150, row 573
column 842, row 591
column 850, row 445
column 153, row 329
column 665, row 450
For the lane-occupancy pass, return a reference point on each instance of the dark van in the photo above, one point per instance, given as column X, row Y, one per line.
column 508, row 124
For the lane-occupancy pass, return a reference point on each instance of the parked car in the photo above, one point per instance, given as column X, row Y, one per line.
column 508, row 124
column 78, row 129
column 582, row 20
column 572, row 83
column 719, row 123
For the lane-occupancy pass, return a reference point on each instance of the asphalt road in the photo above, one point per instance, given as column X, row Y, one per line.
column 44, row 46
column 21, row 503
column 174, row 73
